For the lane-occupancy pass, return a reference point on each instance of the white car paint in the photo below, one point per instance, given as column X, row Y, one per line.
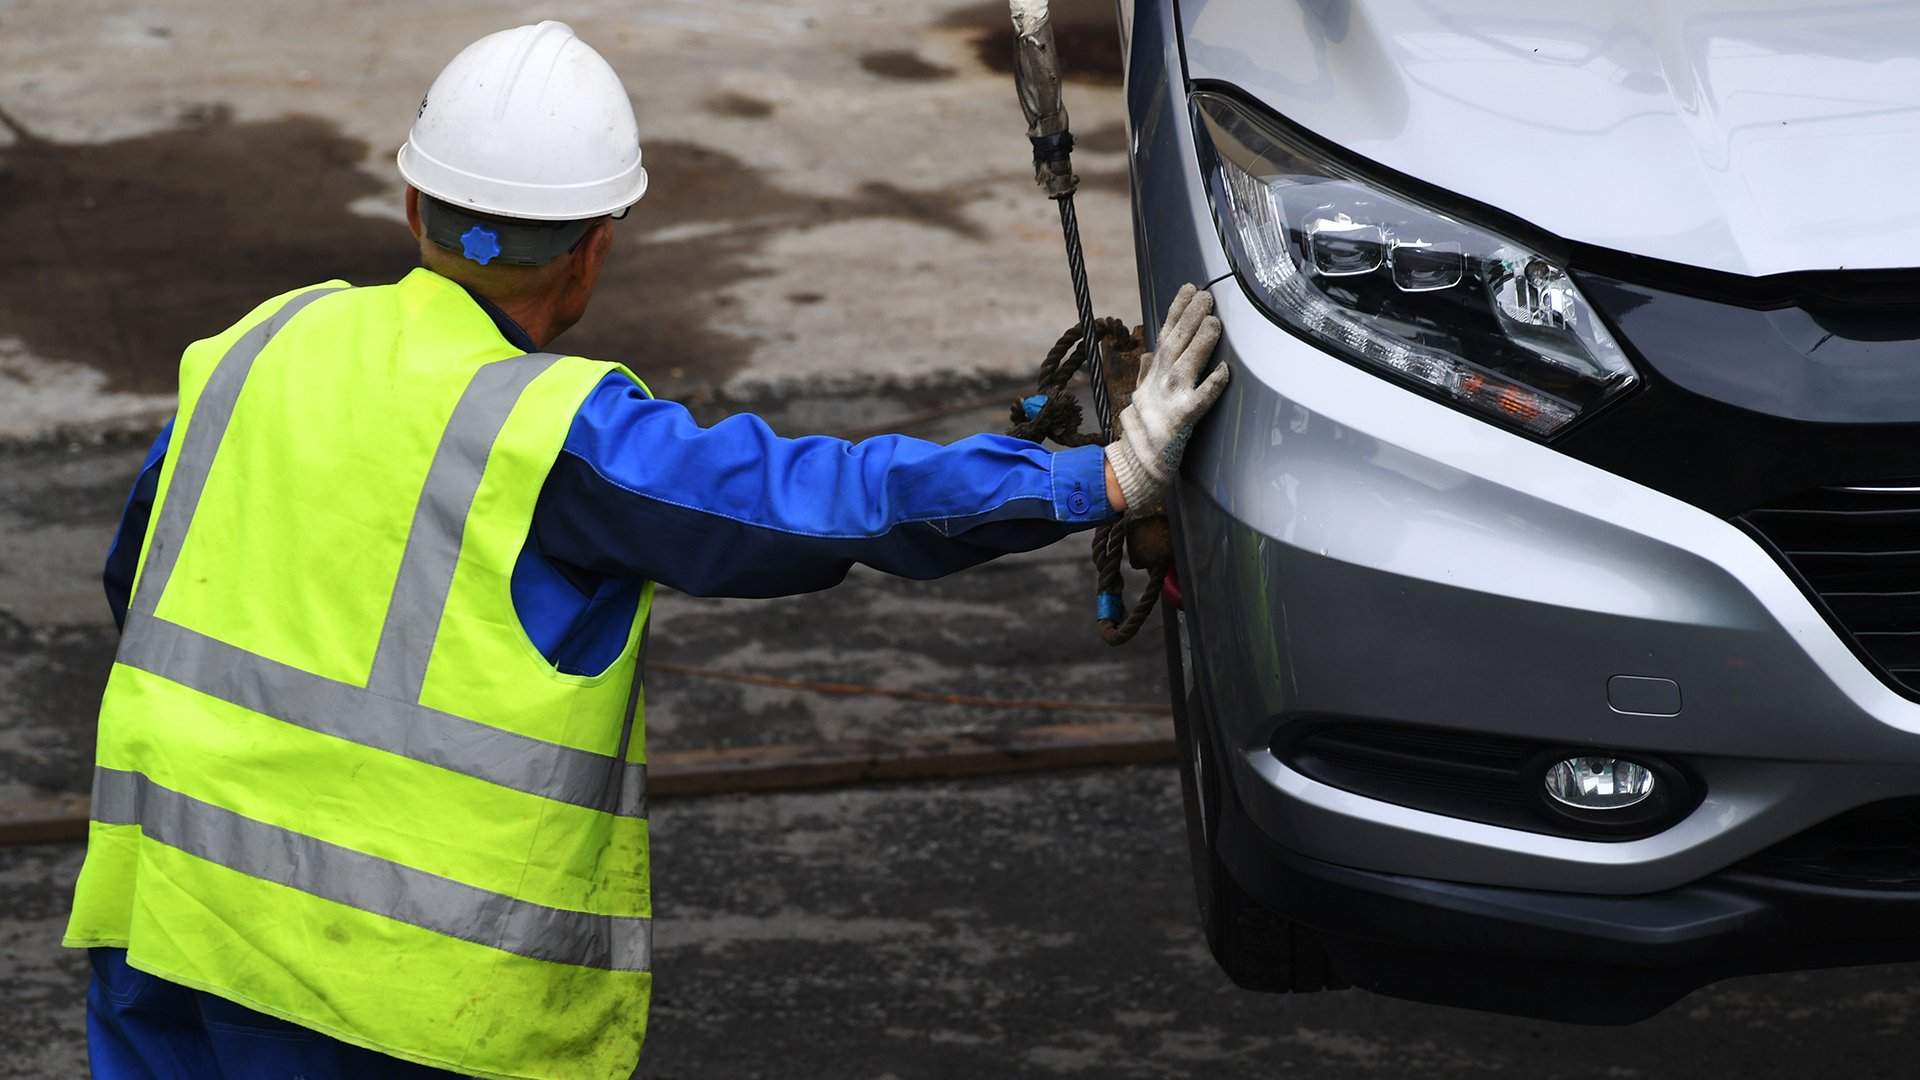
column 1746, row 136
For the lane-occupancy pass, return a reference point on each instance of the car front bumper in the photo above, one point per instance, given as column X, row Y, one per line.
column 1350, row 549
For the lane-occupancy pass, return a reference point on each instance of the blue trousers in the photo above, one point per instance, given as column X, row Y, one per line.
column 143, row 1028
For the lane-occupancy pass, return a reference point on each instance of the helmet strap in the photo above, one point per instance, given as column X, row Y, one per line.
column 486, row 239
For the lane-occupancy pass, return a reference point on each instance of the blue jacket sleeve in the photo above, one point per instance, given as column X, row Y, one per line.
column 123, row 555
column 642, row 491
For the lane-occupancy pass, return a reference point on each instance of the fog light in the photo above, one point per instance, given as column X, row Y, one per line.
column 1599, row 783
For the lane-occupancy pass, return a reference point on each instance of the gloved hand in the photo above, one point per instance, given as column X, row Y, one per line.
column 1167, row 403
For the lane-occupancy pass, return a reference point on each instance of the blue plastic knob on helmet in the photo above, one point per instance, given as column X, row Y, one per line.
column 480, row 244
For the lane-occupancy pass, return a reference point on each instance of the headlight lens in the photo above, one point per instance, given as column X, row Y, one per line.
column 1479, row 319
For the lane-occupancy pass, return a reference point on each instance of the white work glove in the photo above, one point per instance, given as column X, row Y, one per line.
column 1167, row 403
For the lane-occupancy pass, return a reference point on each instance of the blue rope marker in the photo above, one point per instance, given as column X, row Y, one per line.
column 1109, row 607
column 480, row 244
column 1032, row 406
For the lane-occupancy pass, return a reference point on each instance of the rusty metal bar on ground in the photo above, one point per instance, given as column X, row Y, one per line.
column 929, row 697
column 43, row 821
column 766, row 769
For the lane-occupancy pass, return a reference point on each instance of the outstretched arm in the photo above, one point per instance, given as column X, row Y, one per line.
column 641, row 490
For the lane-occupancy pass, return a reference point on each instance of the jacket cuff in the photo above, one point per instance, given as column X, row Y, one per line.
column 1080, row 485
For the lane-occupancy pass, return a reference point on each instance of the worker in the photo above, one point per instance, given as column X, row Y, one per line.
column 370, row 790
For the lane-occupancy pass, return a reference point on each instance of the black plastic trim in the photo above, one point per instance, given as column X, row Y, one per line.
column 1719, row 456
column 1848, row 634
column 1495, row 780
column 1875, row 848
column 1571, row 957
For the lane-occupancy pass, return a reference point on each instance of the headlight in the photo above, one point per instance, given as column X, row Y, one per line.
column 1479, row 319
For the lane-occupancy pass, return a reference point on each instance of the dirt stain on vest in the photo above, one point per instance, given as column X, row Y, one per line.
column 124, row 252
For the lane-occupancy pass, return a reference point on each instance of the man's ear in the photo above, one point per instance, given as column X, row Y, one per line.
column 413, row 211
column 593, row 251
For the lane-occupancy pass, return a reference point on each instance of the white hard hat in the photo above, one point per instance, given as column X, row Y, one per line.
column 527, row 123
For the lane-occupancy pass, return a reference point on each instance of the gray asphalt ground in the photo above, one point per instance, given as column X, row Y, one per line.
column 843, row 235
column 1037, row 927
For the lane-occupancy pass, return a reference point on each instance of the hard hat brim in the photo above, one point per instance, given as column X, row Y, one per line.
column 528, row 202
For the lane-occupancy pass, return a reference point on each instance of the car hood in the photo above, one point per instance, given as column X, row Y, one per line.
column 1753, row 138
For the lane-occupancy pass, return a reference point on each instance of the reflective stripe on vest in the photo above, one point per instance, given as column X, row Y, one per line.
column 386, row 714
column 371, row 884
column 211, row 415
column 359, row 715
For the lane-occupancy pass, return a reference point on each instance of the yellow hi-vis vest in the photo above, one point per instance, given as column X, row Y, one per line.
column 336, row 782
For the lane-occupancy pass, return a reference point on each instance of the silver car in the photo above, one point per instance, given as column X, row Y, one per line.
column 1547, row 629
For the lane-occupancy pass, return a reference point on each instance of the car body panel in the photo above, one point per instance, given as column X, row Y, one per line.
column 1351, row 549
column 1744, row 136
column 1174, row 235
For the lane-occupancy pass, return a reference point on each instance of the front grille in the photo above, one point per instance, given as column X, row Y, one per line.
column 1857, row 550
column 1874, row 847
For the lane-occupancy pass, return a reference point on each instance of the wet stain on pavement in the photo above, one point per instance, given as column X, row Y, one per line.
column 902, row 64
column 1116, row 181
column 121, row 253
column 1084, row 34
column 739, row 106
column 1105, row 139
column 124, row 252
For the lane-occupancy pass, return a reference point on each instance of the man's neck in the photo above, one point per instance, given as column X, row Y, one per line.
column 535, row 318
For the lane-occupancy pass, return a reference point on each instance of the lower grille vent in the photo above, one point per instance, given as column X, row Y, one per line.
column 1857, row 551
column 1874, row 847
